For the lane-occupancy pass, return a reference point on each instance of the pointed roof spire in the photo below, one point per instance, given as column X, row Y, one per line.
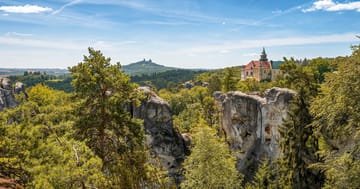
column 263, row 56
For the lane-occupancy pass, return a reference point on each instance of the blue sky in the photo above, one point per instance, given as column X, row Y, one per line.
column 181, row 33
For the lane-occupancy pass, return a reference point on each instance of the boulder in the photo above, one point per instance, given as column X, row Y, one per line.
column 7, row 98
column 251, row 124
column 5, row 83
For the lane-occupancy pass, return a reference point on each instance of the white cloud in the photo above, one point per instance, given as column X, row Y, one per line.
column 25, row 9
column 5, row 14
column 330, row 5
column 66, row 5
column 18, row 34
column 40, row 43
column 12, row 38
column 286, row 41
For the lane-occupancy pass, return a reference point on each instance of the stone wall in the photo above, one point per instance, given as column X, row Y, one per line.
column 251, row 124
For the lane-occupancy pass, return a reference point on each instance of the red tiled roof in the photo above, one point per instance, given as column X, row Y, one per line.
column 254, row 64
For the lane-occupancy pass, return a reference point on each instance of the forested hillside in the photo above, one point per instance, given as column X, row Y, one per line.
column 90, row 138
column 145, row 67
column 167, row 79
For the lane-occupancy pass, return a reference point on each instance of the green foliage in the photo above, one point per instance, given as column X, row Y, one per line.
column 251, row 85
column 161, row 80
column 60, row 82
column 320, row 67
column 210, row 164
column 214, row 84
column 298, row 77
column 189, row 118
column 36, row 145
column 229, row 81
column 191, row 106
column 102, row 121
column 265, row 177
column 298, row 147
column 336, row 120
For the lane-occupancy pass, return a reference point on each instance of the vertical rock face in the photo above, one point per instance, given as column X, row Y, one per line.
column 251, row 123
column 165, row 143
column 7, row 98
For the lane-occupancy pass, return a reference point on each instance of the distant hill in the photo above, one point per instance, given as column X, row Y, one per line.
column 145, row 67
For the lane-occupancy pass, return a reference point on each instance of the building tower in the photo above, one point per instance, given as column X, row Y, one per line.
column 263, row 56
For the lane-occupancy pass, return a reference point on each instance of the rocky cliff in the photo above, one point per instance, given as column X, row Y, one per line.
column 9, row 184
column 7, row 98
column 165, row 143
column 251, row 123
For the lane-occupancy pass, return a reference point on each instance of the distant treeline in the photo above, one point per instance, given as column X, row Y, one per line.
column 164, row 79
column 60, row 82
column 171, row 78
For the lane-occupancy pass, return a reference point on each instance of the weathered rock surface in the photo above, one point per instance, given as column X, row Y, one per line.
column 165, row 143
column 7, row 98
column 9, row 184
column 251, row 123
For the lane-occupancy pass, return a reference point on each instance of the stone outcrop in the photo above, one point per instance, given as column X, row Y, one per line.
column 7, row 98
column 9, row 184
column 164, row 141
column 251, row 123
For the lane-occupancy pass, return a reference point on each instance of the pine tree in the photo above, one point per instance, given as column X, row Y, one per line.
column 337, row 123
column 210, row 164
column 103, row 122
column 298, row 147
column 229, row 82
column 36, row 147
column 265, row 177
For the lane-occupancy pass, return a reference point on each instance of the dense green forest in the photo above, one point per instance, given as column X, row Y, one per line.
column 168, row 79
column 157, row 80
column 59, row 82
column 87, row 138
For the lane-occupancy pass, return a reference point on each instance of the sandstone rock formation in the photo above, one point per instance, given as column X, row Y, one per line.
column 251, row 123
column 7, row 98
column 19, row 87
column 9, row 184
column 165, row 143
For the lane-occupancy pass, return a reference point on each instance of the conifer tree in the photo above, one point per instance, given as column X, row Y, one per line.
column 298, row 148
column 210, row 165
column 298, row 143
column 265, row 177
column 103, row 122
column 229, row 82
column 337, row 123
column 36, row 145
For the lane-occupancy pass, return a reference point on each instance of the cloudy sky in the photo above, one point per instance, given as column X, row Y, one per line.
column 181, row 33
